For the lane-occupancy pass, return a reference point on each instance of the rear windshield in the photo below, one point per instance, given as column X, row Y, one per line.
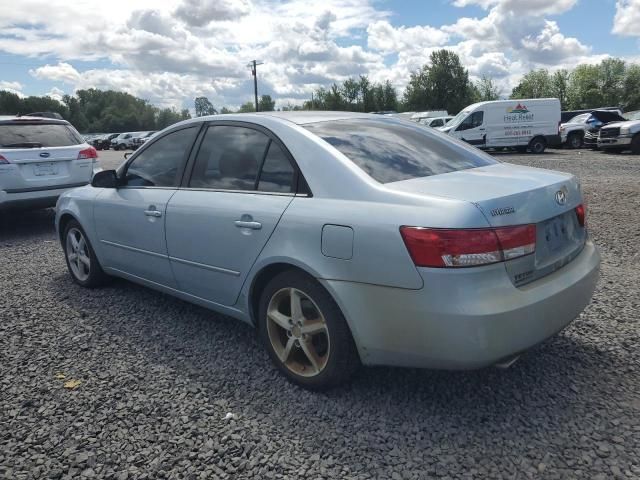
column 25, row 135
column 390, row 150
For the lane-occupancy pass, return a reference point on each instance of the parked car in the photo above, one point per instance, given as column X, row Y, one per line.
column 124, row 140
column 567, row 115
column 418, row 116
column 530, row 124
column 345, row 238
column 40, row 158
column 103, row 142
column 139, row 140
column 435, row 122
column 596, row 121
column 572, row 133
column 620, row 136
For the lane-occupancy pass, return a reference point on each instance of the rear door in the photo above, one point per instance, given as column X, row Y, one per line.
column 130, row 220
column 43, row 154
column 243, row 179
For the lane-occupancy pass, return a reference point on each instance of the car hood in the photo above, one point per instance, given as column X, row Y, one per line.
column 629, row 123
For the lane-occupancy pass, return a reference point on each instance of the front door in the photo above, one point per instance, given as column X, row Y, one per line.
column 130, row 220
column 472, row 129
column 241, row 184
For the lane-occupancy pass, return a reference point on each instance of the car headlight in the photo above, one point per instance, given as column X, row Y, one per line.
column 625, row 131
column 562, row 129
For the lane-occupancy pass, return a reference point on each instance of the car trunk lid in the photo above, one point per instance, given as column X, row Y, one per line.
column 516, row 195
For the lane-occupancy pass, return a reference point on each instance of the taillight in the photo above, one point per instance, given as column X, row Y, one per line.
column 581, row 213
column 3, row 161
column 87, row 153
column 445, row 248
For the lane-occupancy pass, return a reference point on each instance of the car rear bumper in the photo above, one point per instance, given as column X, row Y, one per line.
column 464, row 319
column 34, row 197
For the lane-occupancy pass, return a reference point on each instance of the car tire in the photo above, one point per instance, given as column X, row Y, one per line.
column 537, row 145
column 635, row 144
column 313, row 348
column 81, row 260
column 574, row 140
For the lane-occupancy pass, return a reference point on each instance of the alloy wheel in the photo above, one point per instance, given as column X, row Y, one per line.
column 77, row 252
column 298, row 332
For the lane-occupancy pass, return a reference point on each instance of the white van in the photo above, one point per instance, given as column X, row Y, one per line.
column 416, row 117
column 530, row 124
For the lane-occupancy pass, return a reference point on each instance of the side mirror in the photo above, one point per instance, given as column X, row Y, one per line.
column 105, row 179
column 127, row 155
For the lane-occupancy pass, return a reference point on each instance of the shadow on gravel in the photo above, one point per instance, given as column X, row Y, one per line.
column 25, row 223
column 225, row 358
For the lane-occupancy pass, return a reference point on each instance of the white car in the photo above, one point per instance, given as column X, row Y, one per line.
column 41, row 158
column 435, row 122
column 125, row 140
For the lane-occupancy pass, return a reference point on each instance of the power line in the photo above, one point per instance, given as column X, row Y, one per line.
column 253, row 64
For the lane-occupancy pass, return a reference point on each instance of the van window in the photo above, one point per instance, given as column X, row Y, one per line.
column 389, row 150
column 472, row 121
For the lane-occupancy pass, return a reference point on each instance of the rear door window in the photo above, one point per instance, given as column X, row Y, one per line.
column 277, row 174
column 36, row 135
column 391, row 151
column 229, row 158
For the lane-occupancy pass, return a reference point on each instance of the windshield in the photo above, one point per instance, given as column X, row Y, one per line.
column 391, row 151
column 36, row 135
column 457, row 120
column 580, row 118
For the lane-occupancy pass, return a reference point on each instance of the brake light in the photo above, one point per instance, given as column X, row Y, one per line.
column 87, row 153
column 3, row 161
column 581, row 213
column 447, row 248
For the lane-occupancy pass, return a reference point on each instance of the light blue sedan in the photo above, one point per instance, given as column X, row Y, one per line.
column 344, row 238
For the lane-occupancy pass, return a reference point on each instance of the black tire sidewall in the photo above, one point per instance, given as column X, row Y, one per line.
column 343, row 359
column 537, row 141
column 572, row 137
column 96, row 275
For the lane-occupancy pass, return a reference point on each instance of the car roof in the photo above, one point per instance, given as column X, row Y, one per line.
column 299, row 117
column 28, row 119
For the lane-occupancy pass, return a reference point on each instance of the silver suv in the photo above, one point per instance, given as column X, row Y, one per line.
column 40, row 158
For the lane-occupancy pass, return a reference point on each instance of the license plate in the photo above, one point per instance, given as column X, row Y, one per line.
column 556, row 234
column 41, row 169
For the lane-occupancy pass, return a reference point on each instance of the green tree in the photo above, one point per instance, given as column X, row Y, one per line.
column 487, row 90
column 443, row 84
column 226, row 110
column 247, row 107
column 535, row 84
column 631, row 88
column 350, row 92
column 204, row 107
column 560, row 87
column 389, row 98
column 584, row 88
column 266, row 104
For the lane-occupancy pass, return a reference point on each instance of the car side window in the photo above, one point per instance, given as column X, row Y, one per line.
column 229, row 158
column 472, row 121
column 160, row 164
column 436, row 123
column 277, row 174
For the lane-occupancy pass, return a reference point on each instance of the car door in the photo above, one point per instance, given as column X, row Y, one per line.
column 130, row 219
column 472, row 129
column 242, row 181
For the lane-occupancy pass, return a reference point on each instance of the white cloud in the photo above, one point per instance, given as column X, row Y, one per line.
column 170, row 51
column 12, row 87
column 55, row 93
column 627, row 18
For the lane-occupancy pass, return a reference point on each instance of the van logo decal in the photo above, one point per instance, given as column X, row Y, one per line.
column 45, row 154
column 520, row 108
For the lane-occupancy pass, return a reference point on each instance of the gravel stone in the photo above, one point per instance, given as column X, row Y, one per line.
column 159, row 376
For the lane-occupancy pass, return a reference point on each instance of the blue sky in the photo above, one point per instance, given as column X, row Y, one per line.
column 170, row 51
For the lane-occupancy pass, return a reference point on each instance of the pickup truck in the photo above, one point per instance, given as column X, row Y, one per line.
column 620, row 136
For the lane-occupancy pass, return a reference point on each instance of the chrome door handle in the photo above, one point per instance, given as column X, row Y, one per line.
column 153, row 213
column 245, row 224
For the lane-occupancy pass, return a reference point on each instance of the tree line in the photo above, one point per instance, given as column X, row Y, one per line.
column 96, row 110
column 442, row 84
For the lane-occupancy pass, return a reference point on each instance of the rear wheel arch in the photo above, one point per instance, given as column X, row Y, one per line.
column 260, row 281
column 62, row 224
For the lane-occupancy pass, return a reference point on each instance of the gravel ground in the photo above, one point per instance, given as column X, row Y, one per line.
column 170, row 390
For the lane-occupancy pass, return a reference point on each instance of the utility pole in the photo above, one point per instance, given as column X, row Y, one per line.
column 253, row 64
